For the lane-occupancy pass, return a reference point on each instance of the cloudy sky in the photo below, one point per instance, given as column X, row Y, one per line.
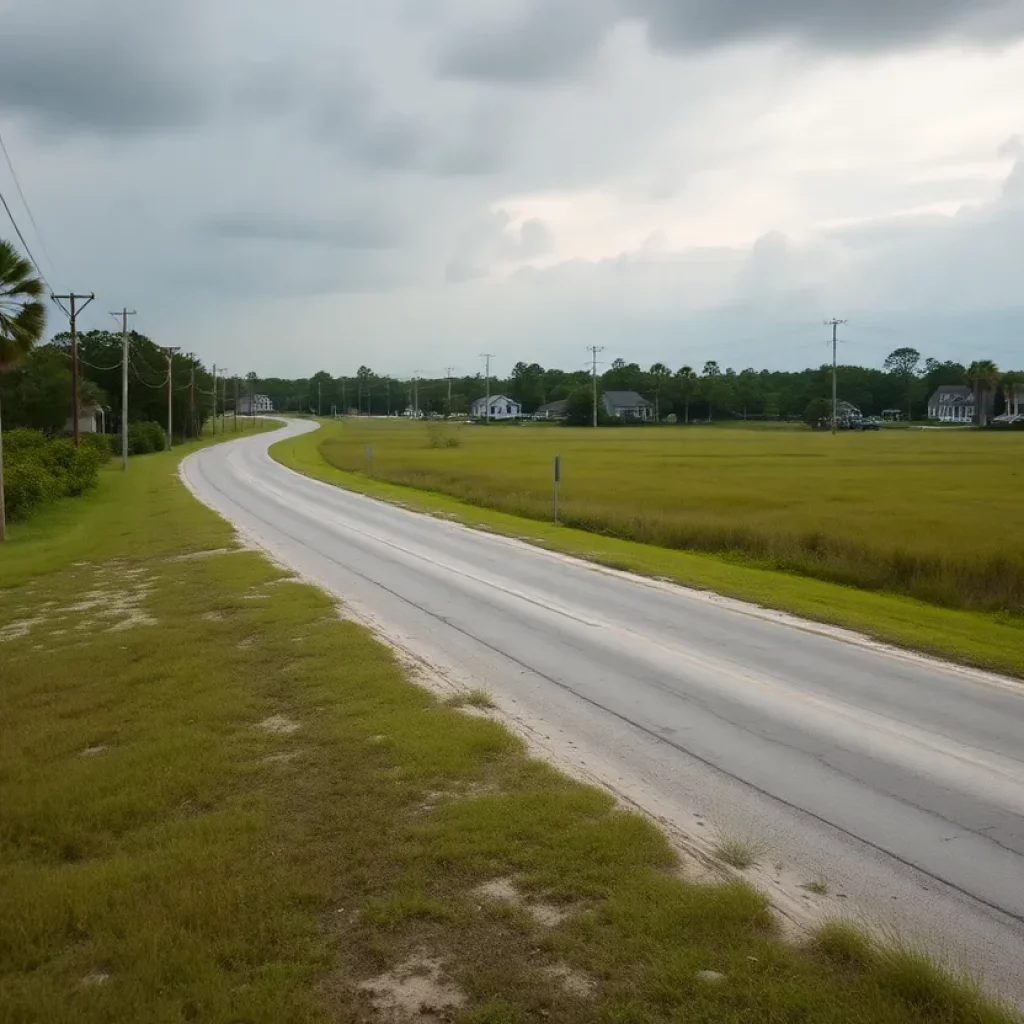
column 316, row 184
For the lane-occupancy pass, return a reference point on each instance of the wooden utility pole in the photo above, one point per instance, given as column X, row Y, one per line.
column 448, row 373
column 834, row 324
column 72, row 315
column 192, row 394
column 487, row 357
column 236, row 405
column 170, row 353
column 124, row 314
column 594, row 350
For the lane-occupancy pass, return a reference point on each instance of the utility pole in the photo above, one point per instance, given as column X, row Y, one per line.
column 224, row 405
column 236, row 404
column 72, row 315
column 192, row 394
column 448, row 373
column 487, row 357
column 223, row 397
column 594, row 350
column 124, row 314
column 416, row 396
column 344, row 408
column 387, row 382
column 319, row 392
column 834, row 324
column 170, row 353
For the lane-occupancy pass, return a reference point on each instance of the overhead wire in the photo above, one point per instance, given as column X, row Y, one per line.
column 28, row 210
column 25, row 245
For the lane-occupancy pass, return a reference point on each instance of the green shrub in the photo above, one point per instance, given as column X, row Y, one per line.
column 38, row 470
column 104, row 445
column 146, row 437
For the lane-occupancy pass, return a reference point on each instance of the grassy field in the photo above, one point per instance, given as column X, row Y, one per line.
column 221, row 803
column 992, row 640
column 935, row 515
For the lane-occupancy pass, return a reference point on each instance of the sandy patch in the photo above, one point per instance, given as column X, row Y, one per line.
column 415, row 991
column 574, row 983
column 503, row 890
column 19, row 629
column 278, row 725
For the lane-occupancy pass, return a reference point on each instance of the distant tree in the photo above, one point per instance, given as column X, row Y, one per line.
column 1011, row 381
column 579, row 410
column 22, row 322
column 983, row 378
column 689, row 385
column 660, row 375
column 818, row 413
column 904, row 363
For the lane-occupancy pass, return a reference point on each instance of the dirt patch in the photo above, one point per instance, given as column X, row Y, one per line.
column 574, row 983
column 503, row 890
column 196, row 555
column 415, row 991
column 278, row 725
column 19, row 629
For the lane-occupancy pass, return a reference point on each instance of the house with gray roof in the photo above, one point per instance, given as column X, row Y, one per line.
column 627, row 405
column 552, row 410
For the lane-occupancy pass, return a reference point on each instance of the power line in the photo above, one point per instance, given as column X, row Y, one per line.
column 25, row 244
column 24, row 202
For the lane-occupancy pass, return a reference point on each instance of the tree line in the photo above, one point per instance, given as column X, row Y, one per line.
column 905, row 383
column 35, row 392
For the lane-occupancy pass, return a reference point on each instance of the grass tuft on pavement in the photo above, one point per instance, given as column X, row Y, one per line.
column 219, row 802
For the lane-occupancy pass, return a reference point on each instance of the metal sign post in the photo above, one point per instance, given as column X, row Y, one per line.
column 558, row 480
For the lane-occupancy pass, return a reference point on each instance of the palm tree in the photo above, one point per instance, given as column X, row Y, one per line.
column 659, row 373
column 983, row 378
column 1011, row 392
column 688, row 383
column 22, row 322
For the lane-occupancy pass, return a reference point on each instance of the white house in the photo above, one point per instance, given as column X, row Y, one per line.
column 257, row 405
column 952, row 403
column 501, row 408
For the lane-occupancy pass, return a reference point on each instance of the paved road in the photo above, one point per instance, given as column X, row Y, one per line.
column 898, row 780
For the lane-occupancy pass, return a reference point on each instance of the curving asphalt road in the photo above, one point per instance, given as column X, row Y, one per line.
column 897, row 779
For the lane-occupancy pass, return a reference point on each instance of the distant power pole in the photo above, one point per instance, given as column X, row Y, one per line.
column 170, row 353
column 224, row 398
column 72, row 315
column 834, row 324
column 487, row 357
column 448, row 373
column 416, row 397
column 236, row 404
column 319, row 397
column 344, row 408
column 594, row 350
column 192, row 394
column 124, row 314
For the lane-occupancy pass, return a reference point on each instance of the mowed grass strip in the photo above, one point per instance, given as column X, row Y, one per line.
column 986, row 640
column 221, row 803
column 933, row 515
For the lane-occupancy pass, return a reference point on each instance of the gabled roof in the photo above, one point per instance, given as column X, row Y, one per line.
column 625, row 400
column 559, row 406
column 495, row 398
column 953, row 393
